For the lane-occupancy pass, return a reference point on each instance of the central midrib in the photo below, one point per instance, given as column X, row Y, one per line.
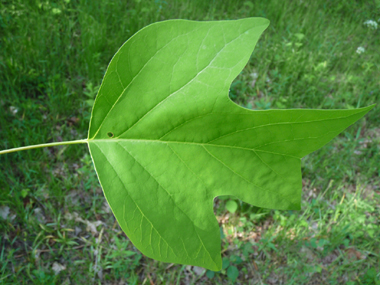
column 185, row 143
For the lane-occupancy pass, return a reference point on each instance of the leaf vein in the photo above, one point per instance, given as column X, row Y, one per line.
column 175, row 92
column 142, row 213
column 170, row 196
column 279, row 123
column 129, row 84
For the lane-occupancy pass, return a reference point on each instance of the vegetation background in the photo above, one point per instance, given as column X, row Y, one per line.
column 55, row 225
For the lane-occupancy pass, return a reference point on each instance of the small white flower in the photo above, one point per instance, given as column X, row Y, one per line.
column 13, row 110
column 360, row 50
column 254, row 75
column 58, row 268
column 371, row 24
column 4, row 212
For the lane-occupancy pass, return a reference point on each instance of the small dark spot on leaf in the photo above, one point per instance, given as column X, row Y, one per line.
column 110, row 135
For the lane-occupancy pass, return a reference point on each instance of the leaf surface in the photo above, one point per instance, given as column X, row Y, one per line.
column 166, row 139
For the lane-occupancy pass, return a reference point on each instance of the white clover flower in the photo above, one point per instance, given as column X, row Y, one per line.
column 360, row 50
column 371, row 24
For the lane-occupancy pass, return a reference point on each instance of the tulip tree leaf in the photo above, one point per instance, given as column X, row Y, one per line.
column 166, row 140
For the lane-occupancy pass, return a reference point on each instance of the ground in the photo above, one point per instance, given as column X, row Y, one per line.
column 55, row 225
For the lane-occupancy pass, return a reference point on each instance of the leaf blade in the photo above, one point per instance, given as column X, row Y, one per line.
column 154, row 51
column 178, row 141
column 146, row 221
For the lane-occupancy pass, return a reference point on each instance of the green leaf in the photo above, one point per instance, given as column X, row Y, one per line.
column 210, row 274
column 231, row 206
column 225, row 263
column 232, row 273
column 24, row 192
column 166, row 139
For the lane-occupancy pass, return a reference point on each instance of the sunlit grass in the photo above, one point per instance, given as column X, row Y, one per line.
column 55, row 224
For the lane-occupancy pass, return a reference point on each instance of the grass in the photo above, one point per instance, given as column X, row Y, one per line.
column 55, row 225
